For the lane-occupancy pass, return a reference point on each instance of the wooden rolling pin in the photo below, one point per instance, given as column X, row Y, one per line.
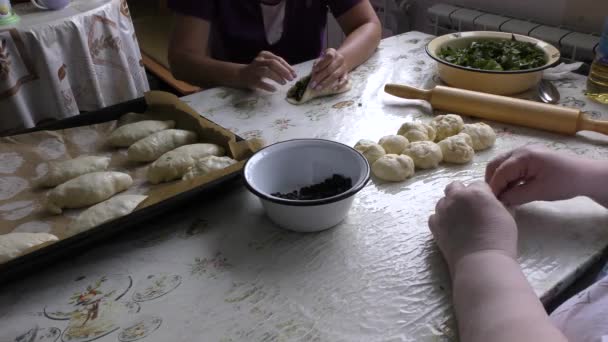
column 509, row 110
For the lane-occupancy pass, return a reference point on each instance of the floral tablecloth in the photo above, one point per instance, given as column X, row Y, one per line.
column 55, row 64
column 218, row 270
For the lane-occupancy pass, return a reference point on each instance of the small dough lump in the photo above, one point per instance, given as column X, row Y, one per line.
column 417, row 131
column 482, row 135
column 370, row 150
column 457, row 149
column 393, row 167
column 394, row 144
column 426, row 154
column 447, row 125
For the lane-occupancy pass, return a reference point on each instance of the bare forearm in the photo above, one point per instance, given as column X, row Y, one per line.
column 360, row 44
column 205, row 72
column 494, row 302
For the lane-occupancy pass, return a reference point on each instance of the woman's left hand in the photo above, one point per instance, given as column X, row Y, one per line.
column 329, row 70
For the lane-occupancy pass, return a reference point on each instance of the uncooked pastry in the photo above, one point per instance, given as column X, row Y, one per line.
column 394, row 144
column 87, row 189
column 482, row 135
column 129, row 134
column 447, row 125
column 426, row 154
column 13, row 245
column 301, row 93
column 393, row 167
column 62, row 171
column 174, row 164
column 370, row 150
column 115, row 207
column 207, row 165
column 417, row 131
column 153, row 146
column 457, row 149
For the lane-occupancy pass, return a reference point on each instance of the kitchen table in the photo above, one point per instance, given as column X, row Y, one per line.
column 219, row 270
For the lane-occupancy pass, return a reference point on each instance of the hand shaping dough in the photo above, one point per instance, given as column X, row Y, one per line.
column 174, row 164
column 13, row 245
column 426, row 154
column 87, row 190
column 457, row 149
column 417, row 131
column 129, row 134
column 153, row 146
column 131, row 118
column 447, row 125
column 115, row 207
column 370, row 150
column 207, row 165
column 301, row 93
column 482, row 135
column 393, row 168
column 63, row 171
column 394, row 144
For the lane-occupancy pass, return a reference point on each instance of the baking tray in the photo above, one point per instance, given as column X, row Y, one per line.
column 25, row 264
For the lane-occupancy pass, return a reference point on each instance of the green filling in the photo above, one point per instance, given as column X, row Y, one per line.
column 297, row 91
column 497, row 55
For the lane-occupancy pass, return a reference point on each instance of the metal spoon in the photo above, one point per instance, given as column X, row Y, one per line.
column 547, row 92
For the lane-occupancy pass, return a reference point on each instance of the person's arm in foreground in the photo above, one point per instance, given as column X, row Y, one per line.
column 191, row 62
column 492, row 298
column 535, row 173
column 363, row 32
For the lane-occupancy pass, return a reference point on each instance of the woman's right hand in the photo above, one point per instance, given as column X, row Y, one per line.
column 535, row 173
column 266, row 66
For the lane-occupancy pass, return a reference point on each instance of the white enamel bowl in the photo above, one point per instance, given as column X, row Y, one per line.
column 293, row 164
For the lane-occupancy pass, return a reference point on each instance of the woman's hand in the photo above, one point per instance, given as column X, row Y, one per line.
column 329, row 70
column 266, row 66
column 535, row 173
column 468, row 220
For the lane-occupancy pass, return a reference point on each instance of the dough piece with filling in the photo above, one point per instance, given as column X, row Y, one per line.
column 447, row 125
column 129, row 134
column 426, row 154
column 153, row 146
column 174, row 164
column 87, row 189
column 302, row 93
column 394, row 144
column 131, row 118
column 207, row 165
column 417, row 131
column 115, row 207
column 13, row 245
column 393, row 167
column 370, row 150
column 62, row 171
column 482, row 135
column 457, row 149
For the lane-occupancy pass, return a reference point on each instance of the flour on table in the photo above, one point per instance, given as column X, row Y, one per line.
column 11, row 186
column 51, row 148
column 17, row 210
column 33, row 227
column 10, row 162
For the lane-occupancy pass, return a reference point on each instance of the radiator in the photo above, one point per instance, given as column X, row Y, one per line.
column 574, row 46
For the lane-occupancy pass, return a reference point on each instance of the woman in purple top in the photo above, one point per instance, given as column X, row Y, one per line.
column 249, row 43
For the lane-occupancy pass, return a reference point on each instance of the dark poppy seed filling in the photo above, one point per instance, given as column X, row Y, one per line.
column 330, row 187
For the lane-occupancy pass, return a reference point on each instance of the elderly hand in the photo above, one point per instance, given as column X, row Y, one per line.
column 468, row 220
column 266, row 66
column 329, row 70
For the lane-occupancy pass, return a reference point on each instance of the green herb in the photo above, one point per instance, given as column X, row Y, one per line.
column 297, row 91
column 497, row 55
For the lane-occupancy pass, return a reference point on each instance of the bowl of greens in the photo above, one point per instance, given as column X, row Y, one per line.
column 492, row 62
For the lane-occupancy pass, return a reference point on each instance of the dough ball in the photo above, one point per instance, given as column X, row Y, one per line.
column 447, row 125
column 370, row 150
column 417, row 131
column 426, row 154
column 394, row 144
column 457, row 149
column 393, row 167
column 482, row 135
